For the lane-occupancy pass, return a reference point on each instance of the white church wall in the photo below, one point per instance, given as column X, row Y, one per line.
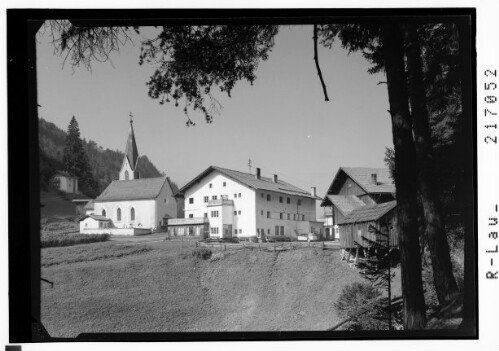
column 165, row 203
column 145, row 214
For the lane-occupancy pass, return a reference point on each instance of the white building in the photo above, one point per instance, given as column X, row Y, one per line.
column 241, row 204
column 134, row 205
column 65, row 182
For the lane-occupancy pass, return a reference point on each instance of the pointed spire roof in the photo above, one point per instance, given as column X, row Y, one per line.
column 131, row 151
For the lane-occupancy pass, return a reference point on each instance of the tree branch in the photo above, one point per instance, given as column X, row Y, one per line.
column 316, row 59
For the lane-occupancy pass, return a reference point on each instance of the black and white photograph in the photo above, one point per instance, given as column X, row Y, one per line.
column 246, row 174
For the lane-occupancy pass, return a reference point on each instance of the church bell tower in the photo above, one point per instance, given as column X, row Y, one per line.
column 128, row 169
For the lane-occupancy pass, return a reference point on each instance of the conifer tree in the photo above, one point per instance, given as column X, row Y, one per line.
column 75, row 160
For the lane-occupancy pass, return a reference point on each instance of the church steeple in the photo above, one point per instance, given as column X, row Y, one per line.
column 130, row 160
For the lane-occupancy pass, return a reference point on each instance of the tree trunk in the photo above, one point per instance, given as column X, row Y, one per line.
column 405, row 178
column 445, row 284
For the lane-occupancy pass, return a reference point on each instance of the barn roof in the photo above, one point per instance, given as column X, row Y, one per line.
column 362, row 177
column 369, row 213
column 96, row 217
column 63, row 174
column 135, row 189
column 250, row 181
column 345, row 203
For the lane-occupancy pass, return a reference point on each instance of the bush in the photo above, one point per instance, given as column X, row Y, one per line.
column 356, row 296
column 202, row 253
column 58, row 240
column 217, row 256
column 273, row 238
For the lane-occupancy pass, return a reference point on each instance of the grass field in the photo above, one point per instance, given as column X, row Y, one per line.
column 121, row 286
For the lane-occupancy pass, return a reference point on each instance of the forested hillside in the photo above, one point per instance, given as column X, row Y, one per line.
column 104, row 163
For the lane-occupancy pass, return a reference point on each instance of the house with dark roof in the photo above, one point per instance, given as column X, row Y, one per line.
column 352, row 189
column 245, row 205
column 134, row 205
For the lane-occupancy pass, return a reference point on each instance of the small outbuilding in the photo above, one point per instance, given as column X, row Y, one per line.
column 94, row 224
column 367, row 221
column 65, row 182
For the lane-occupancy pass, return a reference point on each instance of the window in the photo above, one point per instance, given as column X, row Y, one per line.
column 165, row 201
column 240, row 231
column 191, row 200
column 235, row 213
column 214, row 197
column 239, row 194
column 282, row 230
column 268, row 197
column 288, row 200
column 262, row 196
column 294, row 217
column 211, row 185
column 261, row 212
column 103, row 213
column 191, row 215
column 239, row 212
column 224, row 184
column 280, row 215
column 214, row 230
column 276, row 230
column 257, row 232
column 302, row 217
column 268, row 231
column 127, row 176
column 214, row 213
column 235, row 231
column 118, row 214
column 206, row 215
column 289, row 216
column 86, row 225
column 268, row 214
column 191, row 230
column 206, row 198
column 299, row 202
column 235, row 195
column 132, row 214
column 280, row 199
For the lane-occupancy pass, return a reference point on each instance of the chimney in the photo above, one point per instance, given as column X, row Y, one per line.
column 313, row 191
column 275, row 178
column 374, row 178
column 258, row 173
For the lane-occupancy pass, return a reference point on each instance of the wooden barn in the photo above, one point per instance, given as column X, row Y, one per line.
column 361, row 222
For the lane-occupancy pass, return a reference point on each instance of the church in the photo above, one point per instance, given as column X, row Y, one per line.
column 131, row 205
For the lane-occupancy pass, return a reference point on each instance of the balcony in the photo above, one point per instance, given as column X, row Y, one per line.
column 221, row 202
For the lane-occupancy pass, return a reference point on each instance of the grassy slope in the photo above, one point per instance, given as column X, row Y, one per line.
column 56, row 205
column 159, row 291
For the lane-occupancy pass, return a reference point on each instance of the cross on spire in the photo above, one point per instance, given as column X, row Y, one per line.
column 131, row 116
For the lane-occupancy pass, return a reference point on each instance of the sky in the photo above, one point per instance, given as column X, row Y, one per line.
column 281, row 122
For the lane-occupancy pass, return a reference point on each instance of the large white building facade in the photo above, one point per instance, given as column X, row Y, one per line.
column 243, row 205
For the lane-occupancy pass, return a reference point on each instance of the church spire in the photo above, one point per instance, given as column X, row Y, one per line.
column 129, row 167
column 131, row 151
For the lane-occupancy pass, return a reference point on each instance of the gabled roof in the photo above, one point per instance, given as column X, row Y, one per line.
column 345, row 203
column 131, row 151
column 135, row 189
column 89, row 206
column 362, row 177
column 63, row 174
column 96, row 217
column 369, row 213
column 250, row 181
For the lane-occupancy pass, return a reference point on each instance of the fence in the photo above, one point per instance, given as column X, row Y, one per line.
column 269, row 247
